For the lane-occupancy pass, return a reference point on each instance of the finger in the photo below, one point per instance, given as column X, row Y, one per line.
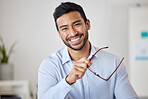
column 79, row 74
column 79, row 68
column 90, row 63
column 80, row 64
column 85, row 60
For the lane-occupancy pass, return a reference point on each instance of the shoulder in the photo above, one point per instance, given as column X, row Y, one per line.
column 106, row 57
column 52, row 61
column 105, row 54
column 109, row 59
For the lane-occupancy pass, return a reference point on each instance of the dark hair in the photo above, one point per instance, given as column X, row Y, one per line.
column 67, row 7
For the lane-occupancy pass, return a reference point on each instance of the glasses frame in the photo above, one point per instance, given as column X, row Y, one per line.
column 98, row 74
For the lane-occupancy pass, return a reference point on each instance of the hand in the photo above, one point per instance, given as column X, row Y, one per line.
column 78, row 70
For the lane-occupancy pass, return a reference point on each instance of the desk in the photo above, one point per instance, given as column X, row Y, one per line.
column 15, row 88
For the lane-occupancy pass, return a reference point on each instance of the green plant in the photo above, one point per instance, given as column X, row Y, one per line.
column 4, row 56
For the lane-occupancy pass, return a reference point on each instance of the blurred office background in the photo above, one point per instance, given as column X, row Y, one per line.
column 31, row 24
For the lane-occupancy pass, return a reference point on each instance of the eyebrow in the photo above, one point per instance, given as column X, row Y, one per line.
column 72, row 23
column 76, row 21
column 62, row 26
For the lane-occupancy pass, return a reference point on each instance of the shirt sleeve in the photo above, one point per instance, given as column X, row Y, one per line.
column 48, row 85
column 123, row 88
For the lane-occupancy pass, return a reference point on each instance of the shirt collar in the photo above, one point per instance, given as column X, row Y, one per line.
column 65, row 55
column 67, row 58
column 92, row 52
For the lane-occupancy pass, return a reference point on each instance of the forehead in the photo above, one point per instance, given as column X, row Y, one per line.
column 69, row 18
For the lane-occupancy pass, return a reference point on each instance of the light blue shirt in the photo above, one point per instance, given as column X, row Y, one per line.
column 54, row 69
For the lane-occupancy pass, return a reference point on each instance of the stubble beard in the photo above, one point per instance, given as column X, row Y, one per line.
column 80, row 48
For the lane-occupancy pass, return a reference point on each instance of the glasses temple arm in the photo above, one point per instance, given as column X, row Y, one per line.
column 97, row 52
column 115, row 69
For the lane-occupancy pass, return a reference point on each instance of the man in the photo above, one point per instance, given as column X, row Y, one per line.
column 69, row 73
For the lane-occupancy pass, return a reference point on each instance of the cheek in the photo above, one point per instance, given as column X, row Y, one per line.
column 84, row 28
column 80, row 29
column 63, row 36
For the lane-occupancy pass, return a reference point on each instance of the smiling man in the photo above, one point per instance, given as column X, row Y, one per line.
column 68, row 73
column 73, row 30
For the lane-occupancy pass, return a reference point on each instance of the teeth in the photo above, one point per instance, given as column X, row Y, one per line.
column 75, row 39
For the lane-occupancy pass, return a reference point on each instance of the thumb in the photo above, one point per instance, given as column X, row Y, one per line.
column 90, row 63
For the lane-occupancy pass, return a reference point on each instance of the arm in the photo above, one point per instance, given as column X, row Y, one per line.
column 123, row 88
column 48, row 85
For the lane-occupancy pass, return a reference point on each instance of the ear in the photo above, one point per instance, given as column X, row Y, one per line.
column 59, row 33
column 88, row 24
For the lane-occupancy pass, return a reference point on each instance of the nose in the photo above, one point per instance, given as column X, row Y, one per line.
column 73, row 31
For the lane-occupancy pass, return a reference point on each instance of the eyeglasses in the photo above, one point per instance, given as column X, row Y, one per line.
column 98, row 74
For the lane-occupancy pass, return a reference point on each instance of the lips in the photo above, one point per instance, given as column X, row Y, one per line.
column 75, row 40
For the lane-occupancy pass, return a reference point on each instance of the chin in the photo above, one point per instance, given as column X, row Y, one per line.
column 77, row 48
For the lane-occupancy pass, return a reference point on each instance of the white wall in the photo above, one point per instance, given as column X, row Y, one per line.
column 138, row 22
column 31, row 23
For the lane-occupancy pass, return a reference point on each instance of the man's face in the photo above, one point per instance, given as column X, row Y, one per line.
column 73, row 30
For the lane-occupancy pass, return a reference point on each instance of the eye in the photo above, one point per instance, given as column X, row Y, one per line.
column 77, row 24
column 64, row 29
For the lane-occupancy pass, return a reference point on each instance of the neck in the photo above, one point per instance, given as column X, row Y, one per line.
column 84, row 52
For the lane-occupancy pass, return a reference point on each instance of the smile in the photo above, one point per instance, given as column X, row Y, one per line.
column 75, row 39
